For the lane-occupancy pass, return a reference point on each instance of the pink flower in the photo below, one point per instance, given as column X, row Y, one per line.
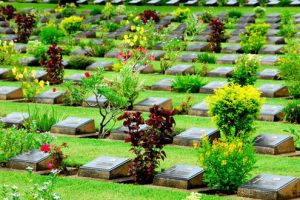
column 120, row 55
column 151, row 58
column 45, row 148
column 129, row 53
column 53, row 89
column 50, row 166
column 87, row 75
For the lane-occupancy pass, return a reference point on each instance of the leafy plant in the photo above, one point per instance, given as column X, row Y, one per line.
column 7, row 51
column 74, row 94
column 292, row 111
column 217, row 35
column 148, row 15
column 180, row 14
column 99, row 50
column 80, row 62
column 71, row 25
column 260, row 12
column 285, row 2
column 207, row 58
column 50, row 35
column 296, row 135
column 245, row 72
column 37, row 49
column 8, row 12
column 185, row 106
column 194, row 28
column 234, row 14
column 68, row 10
column 206, row 16
column 188, row 83
column 287, row 26
column 108, row 11
column 96, row 11
column 57, row 156
column 25, row 24
column 147, row 144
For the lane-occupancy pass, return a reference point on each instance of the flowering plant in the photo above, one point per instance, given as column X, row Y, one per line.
column 7, row 50
column 136, row 38
column 56, row 154
column 185, row 106
column 292, row 111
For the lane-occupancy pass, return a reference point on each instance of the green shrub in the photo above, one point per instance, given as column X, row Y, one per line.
column 68, row 11
column 96, row 11
column 207, row 58
column 80, row 62
column 37, row 49
column 296, row 135
column 292, row 111
column 7, row 50
column 181, row 14
column 227, row 163
column 50, row 35
column 108, row 11
column 188, row 83
column 260, row 12
column 206, row 16
column 71, row 25
column 245, row 72
column 234, row 102
column 234, row 14
column 74, row 94
column 285, row 2
column 111, row 26
column 287, row 26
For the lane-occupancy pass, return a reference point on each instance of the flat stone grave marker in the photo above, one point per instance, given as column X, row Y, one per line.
column 272, row 20
column 191, row 3
column 14, row 119
column 237, row 32
column 117, row 1
column 273, row 3
column 200, row 109
column 74, row 126
column 274, row 15
column 36, row 159
column 198, row 47
column 228, row 59
column 193, row 136
column 157, row 55
column 154, row 2
column 295, row 3
column 275, row 26
column 222, row 16
column 144, row 69
column 275, row 40
column 50, row 97
column 75, row 77
column 112, row 54
column 297, row 21
column 82, row 2
column 207, row 31
column 92, row 101
column 274, row 90
column 40, row 75
column 272, row 49
column 181, row 69
column 181, row 28
column 272, row 32
column 107, row 65
column 10, row 93
column 165, row 85
column 234, row 39
column 201, row 38
column 269, row 60
column 149, row 102
column 179, row 36
column 121, row 133
column 21, row 48
column 180, row 176
column 232, row 3
column 5, row 73
column 274, row 144
column 7, row 30
column 252, row 3
column 211, row 3
column 4, row 24
column 106, row 167
column 246, row 19
column 9, row 38
column 271, row 113
column 233, row 48
column 173, row 2
column 210, row 87
column 270, row 187
column 119, row 18
column 83, row 52
column 99, row 2
column 269, row 74
column 188, row 57
column 242, row 25
column 29, row 61
column 135, row 2
column 158, row 46
column 221, row 72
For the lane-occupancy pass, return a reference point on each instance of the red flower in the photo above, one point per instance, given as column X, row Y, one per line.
column 120, row 55
column 53, row 89
column 151, row 58
column 129, row 53
column 87, row 75
column 45, row 148
column 50, row 166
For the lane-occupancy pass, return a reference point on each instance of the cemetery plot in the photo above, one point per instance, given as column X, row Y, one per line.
column 269, row 60
column 180, row 176
column 75, row 77
column 121, row 133
column 107, row 65
column 193, row 136
column 271, row 113
column 200, row 109
column 221, row 72
column 36, row 159
column 271, row 187
column 50, row 97
column 210, row 87
column 269, row 74
column 227, row 59
column 74, row 126
column 146, row 104
column 180, row 69
column 144, row 69
column 14, row 118
column 188, row 57
column 165, row 85
column 274, row 144
column 274, row 90
column 105, row 167
column 10, row 93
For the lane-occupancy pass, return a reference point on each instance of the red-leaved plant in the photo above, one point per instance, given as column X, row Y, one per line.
column 53, row 62
column 149, row 15
column 147, row 144
column 25, row 24
column 7, row 12
column 217, row 35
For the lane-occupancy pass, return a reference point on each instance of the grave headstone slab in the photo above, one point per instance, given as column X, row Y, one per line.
column 271, row 113
column 154, row 2
column 275, row 26
column 181, row 28
column 135, row 2
column 234, row 39
column 233, row 48
column 272, row 20
column 179, row 36
column 35, row 159
column 273, row 3
column 252, row 3
column 274, row 144
column 191, row 3
column 272, row 49
column 207, row 31
column 83, row 52
column 269, row 60
column 149, row 102
column 180, row 176
column 4, row 24
column 188, row 57
column 193, row 136
column 273, row 32
column 121, row 133
column 9, row 38
column 198, row 47
column 227, row 59
column 269, row 74
column 50, row 97
column 295, row 3
column 99, row 2
column 119, row 18
column 201, row 38
column 270, row 187
column 158, row 46
column 82, row 2
column 273, row 15
column 75, row 77
column 74, row 126
column 21, row 48
column 274, row 90
column 112, row 54
column 144, row 69
column 40, row 75
column 116, row 2
column 237, row 32
column 242, row 25
column 7, row 30
column 211, row 3
column 173, row 2
column 14, row 119
column 157, row 55
column 105, row 167
column 92, row 101
column 10, row 93
column 107, row 65
column 232, row 3
column 5, row 73
column 180, row 69
column 29, row 61
column 200, row 109
column 210, row 87
column 275, row 40
column 246, row 19
column 165, row 85
column 221, row 72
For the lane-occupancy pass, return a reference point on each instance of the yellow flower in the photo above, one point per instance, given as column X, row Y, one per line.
column 33, row 73
column 36, row 81
column 131, row 44
column 132, row 28
column 42, row 84
column 25, row 71
column 19, row 76
column 47, row 83
column 14, row 70
column 224, row 162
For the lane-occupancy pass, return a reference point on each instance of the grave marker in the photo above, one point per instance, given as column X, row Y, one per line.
column 74, row 126
column 210, row 87
column 274, row 90
column 221, row 72
column 269, row 74
column 200, row 109
column 180, row 69
column 271, row 113
column 149, row 102
column 10, row 93
column 50, row 97
column 14, row 119
column 165, row 85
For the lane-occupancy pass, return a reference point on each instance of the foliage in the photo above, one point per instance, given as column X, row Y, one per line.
column 287, row 26
column 71, row 25
column 188, row 83
column 15, row 141
column 99, row 50
column 31, row 86
column 37, row 49
column 222, row 158
column 110, row 26
column 207, row 58
column 96, row 11
column 147, row 144
column 74, row 94
column 245, row 72
column 260, row 12
column 234, row 14
column 148, row 15
column 68, row 10
column 108, row 11
column 173, row 45
column 25, row 24
column 50, row 34
column 296, row 135
column 53, row 62
column 120, row 10
column 221, row 2
column 254, row 37
column 180, row 14
column 289, row 65
column 7, row 12
column 194, row 28
column 234, row 102
column 56, row 154
column 185, row 106
column 285, row 2
column 206, row 16
column 137, row 38
column 263, row 2
column 217, row 35
column 7, row 50
column 80, row 61
column 292, row 111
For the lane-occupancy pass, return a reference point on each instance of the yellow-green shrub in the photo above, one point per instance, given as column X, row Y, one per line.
column 181, row 14
column 71, row 24
column 234, row 109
